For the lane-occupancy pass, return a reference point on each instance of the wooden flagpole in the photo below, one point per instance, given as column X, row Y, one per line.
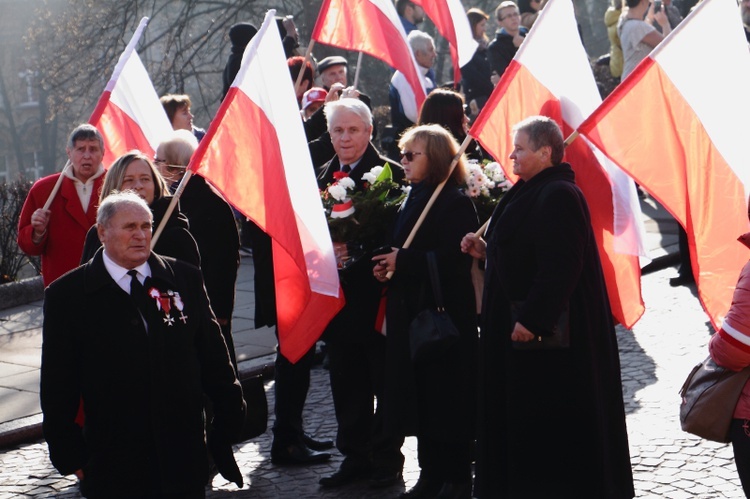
column 171, row 207
column 356, row 73
column 301, row 74
column 56, row 187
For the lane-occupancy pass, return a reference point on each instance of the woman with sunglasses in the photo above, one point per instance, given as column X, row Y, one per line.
column 135, row 171
column 432, row 398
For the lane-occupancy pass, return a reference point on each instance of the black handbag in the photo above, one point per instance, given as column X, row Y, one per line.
column 709, row 396
column 256, row 417
column 432, row 331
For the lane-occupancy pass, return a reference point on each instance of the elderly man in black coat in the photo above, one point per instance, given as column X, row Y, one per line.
column 131, row 335
column 356, row 350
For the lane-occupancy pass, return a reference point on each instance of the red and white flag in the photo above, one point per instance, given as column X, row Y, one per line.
column 551, row 75
column 450, row 19
column 372, row 27
column 129, row 114
column 678, row 126
column 256, row 154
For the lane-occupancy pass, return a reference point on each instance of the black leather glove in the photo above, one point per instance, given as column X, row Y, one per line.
column 223, row 457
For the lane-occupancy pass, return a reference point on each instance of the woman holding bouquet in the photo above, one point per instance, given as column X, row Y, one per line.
column 432, row 398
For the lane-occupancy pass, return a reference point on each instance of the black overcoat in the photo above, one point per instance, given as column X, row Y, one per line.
column 551, row 422
column 142, row 391
column 436, row 398
column 357, row 319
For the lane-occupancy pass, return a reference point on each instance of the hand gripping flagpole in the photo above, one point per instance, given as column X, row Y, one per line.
column 434, row 196
column 480, row 232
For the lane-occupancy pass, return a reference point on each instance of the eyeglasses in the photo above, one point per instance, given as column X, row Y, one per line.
column 515, row 14
column 170, row 168
column 409, row 155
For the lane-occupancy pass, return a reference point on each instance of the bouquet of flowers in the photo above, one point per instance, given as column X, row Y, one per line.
column 485, row 185
column 359, row 219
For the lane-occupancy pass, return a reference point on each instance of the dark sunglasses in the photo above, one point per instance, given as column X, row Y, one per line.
column 409, row 155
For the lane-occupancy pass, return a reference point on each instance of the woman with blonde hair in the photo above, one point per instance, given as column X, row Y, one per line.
column 433, row 397
column 135, row 171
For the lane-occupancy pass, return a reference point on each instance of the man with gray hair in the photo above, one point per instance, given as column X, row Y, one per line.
column 404, row 111
column 356, row 350
column 132, row 336
column 58, row 233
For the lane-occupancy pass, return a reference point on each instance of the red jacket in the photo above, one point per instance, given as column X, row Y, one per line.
column 62, row 245
column 730, row 346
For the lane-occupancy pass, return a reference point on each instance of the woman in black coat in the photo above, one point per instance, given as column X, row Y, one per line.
column 551, row 415
column 135, row 171
column 434, row 398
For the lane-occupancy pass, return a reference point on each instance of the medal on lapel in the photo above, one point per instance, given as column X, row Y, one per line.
column 164, row 303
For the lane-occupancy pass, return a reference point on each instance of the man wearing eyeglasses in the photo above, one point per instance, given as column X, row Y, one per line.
column 508, row 37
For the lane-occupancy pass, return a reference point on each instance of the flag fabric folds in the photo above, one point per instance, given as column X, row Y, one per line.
column 256, row 154
column 372, row 27
column 129, row 114
column 551, row 75
column 449, row 18
column 678, row 126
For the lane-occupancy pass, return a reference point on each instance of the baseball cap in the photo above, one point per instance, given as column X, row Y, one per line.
column 315, row 94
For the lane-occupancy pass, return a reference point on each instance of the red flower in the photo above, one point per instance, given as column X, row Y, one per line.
column 339, row 175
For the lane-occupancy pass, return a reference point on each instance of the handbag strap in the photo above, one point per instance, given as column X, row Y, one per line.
column 437, row 291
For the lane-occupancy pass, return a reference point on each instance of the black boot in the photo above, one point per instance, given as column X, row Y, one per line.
column 426, row 488
column 455, row 490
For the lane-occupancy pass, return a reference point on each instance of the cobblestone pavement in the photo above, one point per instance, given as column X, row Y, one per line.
column 656, row 357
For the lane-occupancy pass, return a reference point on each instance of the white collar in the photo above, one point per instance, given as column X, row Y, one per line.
column 120, row 275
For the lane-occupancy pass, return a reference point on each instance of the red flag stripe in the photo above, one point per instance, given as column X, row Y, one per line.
column 364, row 26
column 692, row 180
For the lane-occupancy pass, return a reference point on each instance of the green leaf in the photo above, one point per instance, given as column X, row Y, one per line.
column 386, row 174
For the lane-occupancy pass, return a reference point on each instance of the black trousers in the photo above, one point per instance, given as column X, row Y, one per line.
column 292, row 382
column 357, row 369
column 739, row 435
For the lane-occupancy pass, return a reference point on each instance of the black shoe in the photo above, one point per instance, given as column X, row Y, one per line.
column 345, row 475
column 316, row 444
column 455, row 490
column 384, row 478
column 681, row 280
column 296, row 454
column 424, row 489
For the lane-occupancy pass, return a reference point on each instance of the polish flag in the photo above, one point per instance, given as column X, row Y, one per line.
column 372, row 27
column 551, row 75
column 678, row 126
column 449, row 18
column 129, row 114
column 256, row 154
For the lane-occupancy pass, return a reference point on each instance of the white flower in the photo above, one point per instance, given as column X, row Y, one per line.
column 346, row 183
column 337, row 192
column 406, row 189
column 373, row 174
column 474, row 191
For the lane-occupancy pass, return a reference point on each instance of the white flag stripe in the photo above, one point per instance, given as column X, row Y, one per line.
column 467, row 46
column 140, row 101
column 723, row 114
column 279, row 103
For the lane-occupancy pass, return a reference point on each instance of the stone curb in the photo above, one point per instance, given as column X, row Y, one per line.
column 21, row 292
column 29, row 429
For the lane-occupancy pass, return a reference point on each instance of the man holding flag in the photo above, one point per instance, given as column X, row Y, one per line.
column 61, row 208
